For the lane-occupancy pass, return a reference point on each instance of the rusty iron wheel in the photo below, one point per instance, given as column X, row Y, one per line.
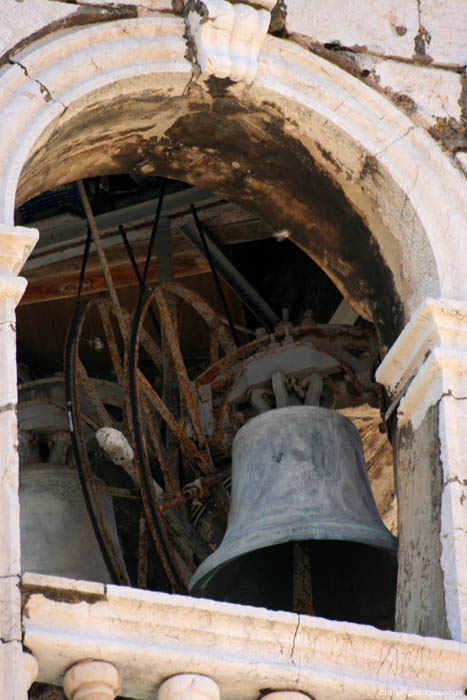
column 172, row 454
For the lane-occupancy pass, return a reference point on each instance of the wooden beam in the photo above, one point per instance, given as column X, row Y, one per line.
column 62, row 284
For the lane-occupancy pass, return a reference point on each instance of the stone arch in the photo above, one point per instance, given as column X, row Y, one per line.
column 370, row 196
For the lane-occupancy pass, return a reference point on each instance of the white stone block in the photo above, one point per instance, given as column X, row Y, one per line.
column 446, row 25
column 21, row 19
column 11, row 672
column 10, row 609
column 462, row 160
column 386, row 28
column 9, row 502
column 436, row 92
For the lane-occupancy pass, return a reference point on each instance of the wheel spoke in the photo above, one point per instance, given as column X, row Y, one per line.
column 111, row 340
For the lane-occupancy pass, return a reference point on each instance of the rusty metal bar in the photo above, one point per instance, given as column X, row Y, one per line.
column 102, row 257
column 111, row 339
column 185, row 385
column 173, row 424
column 196, row 489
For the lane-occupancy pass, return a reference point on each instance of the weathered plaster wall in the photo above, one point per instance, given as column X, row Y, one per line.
column 415, row 52
column 420, row 595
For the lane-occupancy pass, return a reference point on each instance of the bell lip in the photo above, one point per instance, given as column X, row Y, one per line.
column 200, row 578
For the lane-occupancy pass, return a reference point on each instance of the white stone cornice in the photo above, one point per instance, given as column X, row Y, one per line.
column 151, row 636
column 427, row 366
column 228, row 38
column 16, row 243
column 430, row 356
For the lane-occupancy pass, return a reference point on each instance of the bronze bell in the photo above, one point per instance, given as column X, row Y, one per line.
column 303, row 523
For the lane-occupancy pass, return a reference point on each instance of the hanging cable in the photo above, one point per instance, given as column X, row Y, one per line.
column 84, row 262
column 199, row 226
column 134, row 264
column 153, row 233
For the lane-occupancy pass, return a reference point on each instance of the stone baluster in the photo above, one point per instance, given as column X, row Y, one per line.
column 30, row 669
column 286, row 695
column 189, row 686
column 92, row 680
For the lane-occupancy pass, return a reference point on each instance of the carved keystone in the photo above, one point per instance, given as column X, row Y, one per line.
column 228, row 38
column 189, row 686
column 92, row 680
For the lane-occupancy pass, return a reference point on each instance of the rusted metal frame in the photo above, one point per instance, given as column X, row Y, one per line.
column 302, row 580
column 208, row 256
column 198, row 489
column 153, row 430
column 224, row 368
column 219, row 439
column 186, row 442
column 102, row 258
column 141, row 282
column 214, row 348
column 99, row 407
column 118, row 492
column 84, row 262
column 221, row 372
column 142, row 552
column 340, row 361
column 111, row 339
column 136, row 383
column 147, row 342
column 170, row 383
column 185, row 385
column 155, row 226
column 203, row 309
column 88, row 483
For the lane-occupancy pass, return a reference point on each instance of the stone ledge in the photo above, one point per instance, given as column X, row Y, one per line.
column 150, row 636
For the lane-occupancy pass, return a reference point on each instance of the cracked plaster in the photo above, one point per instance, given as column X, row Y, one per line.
column 20, row 19
column 386, row 29
column 435, row 92
column 446, row 24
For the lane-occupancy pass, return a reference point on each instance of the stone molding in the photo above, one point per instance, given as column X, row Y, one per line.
column 228, row 38
column 428, row 360
column 327, row 104
column 150, row 636
column 16, row 244
column 427, row 366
